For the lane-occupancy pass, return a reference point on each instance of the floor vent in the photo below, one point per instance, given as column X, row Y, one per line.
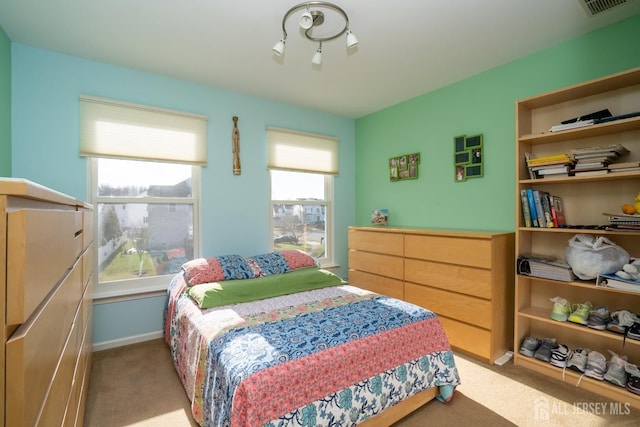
column 596, row 7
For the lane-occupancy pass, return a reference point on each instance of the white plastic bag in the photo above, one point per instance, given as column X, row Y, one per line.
column 589, row 256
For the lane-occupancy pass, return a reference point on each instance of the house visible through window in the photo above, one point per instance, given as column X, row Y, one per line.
column 145, row 203
column 302, row 168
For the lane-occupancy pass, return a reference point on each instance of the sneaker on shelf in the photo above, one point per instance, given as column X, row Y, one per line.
column 634, row 331
column 559, row 356
column 544, row 351
column 598, row 318
column 561, row 309
column 596, row 365
column 529, row 346
column 580, row 313
column 616, row 371
column 621, row 320
column 633, row 382
column 578, row 359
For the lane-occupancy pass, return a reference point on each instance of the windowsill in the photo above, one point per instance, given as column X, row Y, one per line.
column 111, row 296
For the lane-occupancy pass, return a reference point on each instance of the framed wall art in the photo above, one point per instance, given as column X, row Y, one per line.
column 467, row 157
column 404, row 167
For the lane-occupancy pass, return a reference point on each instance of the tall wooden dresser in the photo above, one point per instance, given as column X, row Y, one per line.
column 462, row 276
column 46, row 245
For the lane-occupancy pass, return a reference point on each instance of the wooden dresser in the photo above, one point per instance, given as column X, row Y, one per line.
column 465, row 277
column 46, row 244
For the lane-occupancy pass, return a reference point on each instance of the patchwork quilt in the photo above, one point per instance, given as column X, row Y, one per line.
column 333, row 354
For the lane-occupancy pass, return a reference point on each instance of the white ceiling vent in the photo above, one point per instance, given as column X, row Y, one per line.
column 596, row 7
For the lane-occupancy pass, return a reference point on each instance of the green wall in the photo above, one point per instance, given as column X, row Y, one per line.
column 483, row 104
column 5, row 104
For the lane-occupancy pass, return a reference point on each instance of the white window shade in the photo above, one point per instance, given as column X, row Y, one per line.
column 130, row 131
column 302, row 152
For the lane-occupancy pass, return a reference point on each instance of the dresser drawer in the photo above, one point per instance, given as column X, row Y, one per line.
column 474, row 311
column 34, row 350
column 379, row 242
column 384, row 265
column 468, row 338
column 41, row 246
column 452, row 250
column 379, row 284
column 461, row 279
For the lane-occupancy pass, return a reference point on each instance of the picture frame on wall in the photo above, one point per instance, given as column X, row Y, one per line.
column 468, row 157
column 404, row 167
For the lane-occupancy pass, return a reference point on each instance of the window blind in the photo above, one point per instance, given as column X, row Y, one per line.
column 302, row 152
column 130, row 131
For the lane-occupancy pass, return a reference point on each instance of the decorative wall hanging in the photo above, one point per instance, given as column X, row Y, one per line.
column 235, row 137
column 404, row 167
column 467, row 157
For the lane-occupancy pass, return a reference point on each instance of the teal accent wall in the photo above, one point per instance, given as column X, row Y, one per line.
column 483, row 104
column 234, row 209
column 5, row 104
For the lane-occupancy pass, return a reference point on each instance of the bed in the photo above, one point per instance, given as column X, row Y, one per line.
column 275, row 340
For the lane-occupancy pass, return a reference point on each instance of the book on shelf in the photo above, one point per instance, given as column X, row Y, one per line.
column 623, row 165
column 572, row 125
column 545, row 267
column 636, row 169
column 615, row 282
column 556, row 159
column 623, row 219
column 588, row 172
column 526, row 213
column 579, row 166
column 532, row 208
column 540, row 166
column 619, row 149
column 623, row 227
column 546, row 208
column 555, row 175
column 542, row 222
column 557, row 211
column 609, row 155
column 553, row 170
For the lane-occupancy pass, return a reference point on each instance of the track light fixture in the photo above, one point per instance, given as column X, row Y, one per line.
column 311, row 20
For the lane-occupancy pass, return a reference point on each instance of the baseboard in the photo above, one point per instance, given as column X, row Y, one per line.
column 105, row 345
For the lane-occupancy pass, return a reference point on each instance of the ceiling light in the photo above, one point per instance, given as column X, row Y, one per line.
column 317, row 57
column 311, row 21
column 278, row 48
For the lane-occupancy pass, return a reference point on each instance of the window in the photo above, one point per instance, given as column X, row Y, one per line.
column 145, row 206
column 302, row 167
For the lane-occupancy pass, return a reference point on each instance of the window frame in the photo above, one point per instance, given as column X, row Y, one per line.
column 138, row 287
column 328, row 261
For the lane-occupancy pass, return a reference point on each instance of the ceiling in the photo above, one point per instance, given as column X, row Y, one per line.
column 406, row 47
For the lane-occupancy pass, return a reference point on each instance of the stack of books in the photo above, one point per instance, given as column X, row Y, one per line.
column 541, row 209
column 624, row 221
column 615, row 282
column 549, row 166
column 596, row 160
column 545, row 267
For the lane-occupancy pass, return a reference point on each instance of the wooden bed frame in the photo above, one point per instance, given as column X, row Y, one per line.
column 402, row 409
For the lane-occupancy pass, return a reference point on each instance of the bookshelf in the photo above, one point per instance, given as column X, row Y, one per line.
column 585, row 199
